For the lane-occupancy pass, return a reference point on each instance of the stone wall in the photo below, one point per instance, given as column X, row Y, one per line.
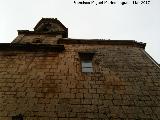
column 125, row 84
column 31, row 39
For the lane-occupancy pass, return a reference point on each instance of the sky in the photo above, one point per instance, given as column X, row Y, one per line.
column 140, row 22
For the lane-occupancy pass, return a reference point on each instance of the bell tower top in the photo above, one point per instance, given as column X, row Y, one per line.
column 51, row 25
column 47, row 31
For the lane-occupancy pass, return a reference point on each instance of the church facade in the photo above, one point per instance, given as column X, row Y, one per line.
column 44, row 75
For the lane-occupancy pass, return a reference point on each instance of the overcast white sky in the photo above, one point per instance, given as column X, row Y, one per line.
column 140, row 22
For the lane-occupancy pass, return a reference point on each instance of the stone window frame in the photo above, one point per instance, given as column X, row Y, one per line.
column 86, row 59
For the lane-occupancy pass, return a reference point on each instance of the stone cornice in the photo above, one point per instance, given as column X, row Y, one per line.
column 27, row 32
column 103, row 42
column 31, row 47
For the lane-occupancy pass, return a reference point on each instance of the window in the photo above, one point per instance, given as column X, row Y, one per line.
column 87, row 66
column 37, row 40
column 86, row 61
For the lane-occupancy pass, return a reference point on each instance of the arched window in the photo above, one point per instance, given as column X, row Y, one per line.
column 37, row 40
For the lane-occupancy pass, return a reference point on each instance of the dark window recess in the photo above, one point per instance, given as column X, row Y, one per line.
column 86, row 61
column 18, row 117
column 45, row 29
column 27, row 42
column 37, row 40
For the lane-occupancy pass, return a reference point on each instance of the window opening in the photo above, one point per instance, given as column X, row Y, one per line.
column 86, row 61
column 37, row 40
column 87, row 66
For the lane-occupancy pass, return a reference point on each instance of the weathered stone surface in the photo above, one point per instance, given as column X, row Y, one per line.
column 49, row 85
